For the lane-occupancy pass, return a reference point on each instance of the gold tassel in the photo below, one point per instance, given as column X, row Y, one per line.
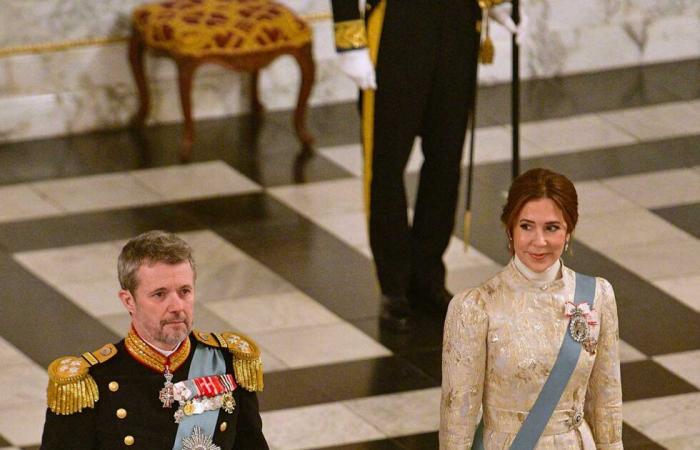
column 486, row 51
column 467, row 229
column 247, row 365
column 71, row 388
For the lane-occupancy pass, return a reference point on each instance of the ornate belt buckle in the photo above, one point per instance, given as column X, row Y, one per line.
column 576, row 418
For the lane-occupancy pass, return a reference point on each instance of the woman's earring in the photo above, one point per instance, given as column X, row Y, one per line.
column 566, row 246
column 510, row 242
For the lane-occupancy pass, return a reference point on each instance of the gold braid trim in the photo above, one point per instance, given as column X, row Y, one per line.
column 247, row 366
column 71, row 387
column 150, row 357
column 350, row 34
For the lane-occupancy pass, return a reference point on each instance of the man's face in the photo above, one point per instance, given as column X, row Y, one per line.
column 162, row 305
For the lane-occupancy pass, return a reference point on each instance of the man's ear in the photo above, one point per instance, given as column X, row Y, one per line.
column 127, row 300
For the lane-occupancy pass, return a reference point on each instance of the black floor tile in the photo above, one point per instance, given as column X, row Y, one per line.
column 426, row 335
column 31, row 447
column 429, row 361
column 86, row 228
column 681, row 78
column 384, row 444
column 425, row 441
column 304, row 254
column 40, row 322
column 636, row 384
column 3, row 442
column 319, row 384
column 685, row 217
column 634, row 440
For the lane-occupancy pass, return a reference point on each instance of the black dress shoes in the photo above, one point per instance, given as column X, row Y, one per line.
column 397, row 314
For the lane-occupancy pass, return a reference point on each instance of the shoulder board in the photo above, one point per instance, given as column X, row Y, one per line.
column 71, row 387
column 210, row 339
column 247, row 365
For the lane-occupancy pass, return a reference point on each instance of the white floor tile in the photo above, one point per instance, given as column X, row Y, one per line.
column 20, row 202
column 685, row 289
column 351, row 228
column 210, row 249
column 461, row 279
column 625, row 228
column 273, row 312
column 349, row 157
column 323, row 344
column 583, row 132
column 659, row 189
column 665, row 418
column 22, row 425
column 629, row 353
column 659, row 260
column 243, row 278
column 96, row 192
column 119, row 323
column 400, row 414
column 316, row 426
column 596, row 198
column 10, row 355
column 657, row 121
column 96, row 297
column 31, row 388
column 76, row 263
column 682, row 443
column 685, row 364
column 208, row 179
column 323, row 198
column 456, row 257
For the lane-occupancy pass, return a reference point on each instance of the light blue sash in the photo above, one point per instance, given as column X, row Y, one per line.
column 564, row 366
column 206, row 361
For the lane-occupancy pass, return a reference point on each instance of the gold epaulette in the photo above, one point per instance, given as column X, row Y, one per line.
column 350, row 34
column 247, row 366
column 71, row 387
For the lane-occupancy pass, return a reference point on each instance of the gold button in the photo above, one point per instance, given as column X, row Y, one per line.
column 113, row 386
column 223, row 426
column 121, row 413
column 129, row 440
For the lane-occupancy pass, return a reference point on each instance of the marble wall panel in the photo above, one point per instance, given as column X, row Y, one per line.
column 86, row 88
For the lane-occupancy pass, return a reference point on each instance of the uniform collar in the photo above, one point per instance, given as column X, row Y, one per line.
column 151, row 357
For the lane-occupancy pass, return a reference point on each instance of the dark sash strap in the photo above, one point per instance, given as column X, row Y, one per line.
column 564, row 366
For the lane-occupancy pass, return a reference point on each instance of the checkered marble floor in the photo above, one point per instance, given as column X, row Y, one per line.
column 283, row 255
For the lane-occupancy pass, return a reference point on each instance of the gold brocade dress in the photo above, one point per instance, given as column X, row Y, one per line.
column 500, row 343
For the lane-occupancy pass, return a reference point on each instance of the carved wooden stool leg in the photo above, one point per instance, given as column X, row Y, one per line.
column 136, row 56
column 308, row 69
column 256, row 107
column 185, row 72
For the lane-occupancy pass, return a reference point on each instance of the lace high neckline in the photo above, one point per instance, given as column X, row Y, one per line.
column 547, row 276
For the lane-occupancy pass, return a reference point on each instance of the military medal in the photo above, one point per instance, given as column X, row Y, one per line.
column 198, row 441
column 582, row 318
column 166, row 395
column 203, row 394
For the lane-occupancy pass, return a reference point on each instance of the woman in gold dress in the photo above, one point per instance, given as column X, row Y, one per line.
column 502, row 338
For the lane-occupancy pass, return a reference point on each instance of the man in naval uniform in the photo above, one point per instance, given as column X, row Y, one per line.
column 164, row 386
column 415, row 61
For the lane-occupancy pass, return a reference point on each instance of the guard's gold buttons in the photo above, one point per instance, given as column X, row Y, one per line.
column 223, row 426
column 113, row 386
column 121, row 413
column 129, row 440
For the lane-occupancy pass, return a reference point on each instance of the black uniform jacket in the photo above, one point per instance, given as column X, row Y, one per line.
column 149, row 425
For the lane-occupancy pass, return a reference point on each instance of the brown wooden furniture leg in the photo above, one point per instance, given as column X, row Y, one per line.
column 185, row 72
column 256, row 107
column 136, row 57
column 308, row 69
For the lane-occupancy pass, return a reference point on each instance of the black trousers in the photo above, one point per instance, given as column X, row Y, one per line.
column 426, row 69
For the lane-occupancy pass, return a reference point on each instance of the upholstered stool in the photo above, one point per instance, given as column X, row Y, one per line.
column 243, row 35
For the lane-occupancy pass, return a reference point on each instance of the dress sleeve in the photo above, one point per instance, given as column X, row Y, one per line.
column 463, row 368
column 603, row 406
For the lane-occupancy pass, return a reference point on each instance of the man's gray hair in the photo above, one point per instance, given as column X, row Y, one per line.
column 149, row 248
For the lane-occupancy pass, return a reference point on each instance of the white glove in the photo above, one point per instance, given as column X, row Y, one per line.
column 501, row 13
column 358, row 66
